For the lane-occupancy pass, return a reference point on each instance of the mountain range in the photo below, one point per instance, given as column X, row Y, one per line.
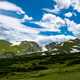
column 26, row 47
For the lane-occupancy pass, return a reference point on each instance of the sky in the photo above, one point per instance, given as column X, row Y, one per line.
column 42, row 21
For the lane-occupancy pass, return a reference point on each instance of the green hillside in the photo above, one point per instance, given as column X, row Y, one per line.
column 27, row 61
column 22, row 48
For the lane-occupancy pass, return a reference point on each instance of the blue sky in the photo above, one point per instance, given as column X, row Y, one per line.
column 44, row 20
column 33, row 8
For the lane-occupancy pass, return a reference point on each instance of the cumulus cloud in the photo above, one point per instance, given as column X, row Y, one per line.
column 72, row 26
column 64, row 4
column 5, row 5
column 11, row 28
column 61, row 4
column 14, row 23
column 50, row 22
column 16, row 31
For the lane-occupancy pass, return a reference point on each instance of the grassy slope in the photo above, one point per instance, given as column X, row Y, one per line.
column 55, row 72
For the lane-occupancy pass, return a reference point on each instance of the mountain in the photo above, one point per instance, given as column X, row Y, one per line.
column 4, row 46
column 70, row 46
column 28, row 47
column 23, row 47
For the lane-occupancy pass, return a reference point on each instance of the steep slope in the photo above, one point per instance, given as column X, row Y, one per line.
column 70, row 46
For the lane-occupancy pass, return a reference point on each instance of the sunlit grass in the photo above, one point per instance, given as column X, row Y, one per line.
column 56, row 72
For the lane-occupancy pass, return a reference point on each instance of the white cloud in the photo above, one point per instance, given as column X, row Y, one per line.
column 76, row 5
column 54, row 10
column 74, row 27
column 11, row 28
column 64, row 4
column 26, row 17
column 69, row 14
column 15, row 24
column 5, row 5
column 61, row 4
column 50, row 22
column 42, row 40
